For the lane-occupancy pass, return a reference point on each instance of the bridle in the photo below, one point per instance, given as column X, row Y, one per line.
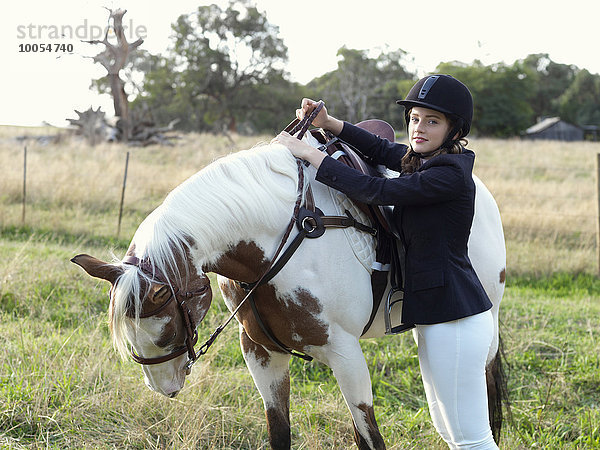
column 180, row 297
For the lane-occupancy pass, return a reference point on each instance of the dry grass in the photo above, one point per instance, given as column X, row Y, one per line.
column 546, row 191
column 76, row 188
column 547, row 196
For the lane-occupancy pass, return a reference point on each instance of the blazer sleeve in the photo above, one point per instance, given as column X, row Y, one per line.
column 376, row 149
column 440, row 182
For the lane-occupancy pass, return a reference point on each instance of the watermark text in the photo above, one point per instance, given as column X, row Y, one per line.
column 84, row 31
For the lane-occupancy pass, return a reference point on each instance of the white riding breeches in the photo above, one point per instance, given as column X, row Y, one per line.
column 452, row 356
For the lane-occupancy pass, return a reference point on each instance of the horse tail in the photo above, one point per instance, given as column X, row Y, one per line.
column 497, row 390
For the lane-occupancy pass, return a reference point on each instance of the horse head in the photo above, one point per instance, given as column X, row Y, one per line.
column 154, row 315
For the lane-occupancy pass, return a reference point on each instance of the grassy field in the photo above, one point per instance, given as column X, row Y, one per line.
column 63, row 386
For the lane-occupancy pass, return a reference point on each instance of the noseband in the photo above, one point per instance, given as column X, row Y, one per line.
column 180, row 297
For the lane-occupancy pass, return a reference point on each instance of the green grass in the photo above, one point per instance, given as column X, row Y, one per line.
column 551, row 328
column 63, row 386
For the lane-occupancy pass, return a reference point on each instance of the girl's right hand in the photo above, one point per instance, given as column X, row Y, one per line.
column 323, row 119
column 307, row 107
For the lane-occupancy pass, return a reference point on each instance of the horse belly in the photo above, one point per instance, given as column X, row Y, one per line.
column 487, row 250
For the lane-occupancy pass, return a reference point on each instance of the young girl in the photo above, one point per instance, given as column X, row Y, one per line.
column 433, row 202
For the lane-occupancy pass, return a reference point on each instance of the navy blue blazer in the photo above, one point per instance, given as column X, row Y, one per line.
column 433, row 209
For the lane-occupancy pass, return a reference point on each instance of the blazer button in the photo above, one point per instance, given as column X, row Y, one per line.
column 334, row 178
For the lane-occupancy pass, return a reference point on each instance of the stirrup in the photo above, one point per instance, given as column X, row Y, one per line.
column 388, row 312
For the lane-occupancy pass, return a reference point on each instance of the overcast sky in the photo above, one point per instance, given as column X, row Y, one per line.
column 39, row 87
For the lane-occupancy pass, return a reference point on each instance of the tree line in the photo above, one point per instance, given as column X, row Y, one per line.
column 225, row 71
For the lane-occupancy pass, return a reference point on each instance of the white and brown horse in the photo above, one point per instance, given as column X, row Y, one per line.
column 229, row 219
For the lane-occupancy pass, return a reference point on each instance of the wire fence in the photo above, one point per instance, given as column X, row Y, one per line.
column 573, row 214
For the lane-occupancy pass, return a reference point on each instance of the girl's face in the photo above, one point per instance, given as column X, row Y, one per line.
column 427, row 129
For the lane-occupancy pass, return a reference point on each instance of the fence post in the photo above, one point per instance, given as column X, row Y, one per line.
column 123, row 195
column 24, row 184
column 598, row 210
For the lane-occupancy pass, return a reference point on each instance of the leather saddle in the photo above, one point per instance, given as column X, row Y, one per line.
column 380, row 216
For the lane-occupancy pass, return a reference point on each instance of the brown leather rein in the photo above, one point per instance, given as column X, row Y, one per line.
column 311, row 223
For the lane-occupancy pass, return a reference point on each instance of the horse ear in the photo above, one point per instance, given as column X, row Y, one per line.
column 97, row 268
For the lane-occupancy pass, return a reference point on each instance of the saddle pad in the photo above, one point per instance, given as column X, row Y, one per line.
column 362, row 244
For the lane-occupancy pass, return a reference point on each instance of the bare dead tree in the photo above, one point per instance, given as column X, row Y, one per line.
column 113, row 58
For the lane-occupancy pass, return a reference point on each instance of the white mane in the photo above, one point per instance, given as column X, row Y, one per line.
column 214, row 208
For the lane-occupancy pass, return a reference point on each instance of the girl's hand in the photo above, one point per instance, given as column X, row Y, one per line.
column 300, row 149
column 323, row 119
column 307, row 107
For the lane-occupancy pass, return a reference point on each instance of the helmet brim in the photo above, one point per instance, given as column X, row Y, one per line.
column 408, row 104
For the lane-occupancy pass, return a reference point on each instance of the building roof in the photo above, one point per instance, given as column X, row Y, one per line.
column 542, row 125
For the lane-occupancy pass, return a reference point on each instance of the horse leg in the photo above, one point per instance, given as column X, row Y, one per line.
column 270, row 371
column 352, row 374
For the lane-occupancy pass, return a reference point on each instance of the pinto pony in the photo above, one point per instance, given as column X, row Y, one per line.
column 229, row 219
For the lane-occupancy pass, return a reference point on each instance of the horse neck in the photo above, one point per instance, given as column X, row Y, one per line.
column 249, row 257
column 235, row 209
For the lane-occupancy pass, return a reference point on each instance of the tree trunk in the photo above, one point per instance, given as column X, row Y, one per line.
column 114, row 58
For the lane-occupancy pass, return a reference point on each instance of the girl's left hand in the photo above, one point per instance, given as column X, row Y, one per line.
column 299, row 149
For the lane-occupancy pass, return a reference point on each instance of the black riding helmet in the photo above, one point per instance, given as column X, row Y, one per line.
column 445, row 94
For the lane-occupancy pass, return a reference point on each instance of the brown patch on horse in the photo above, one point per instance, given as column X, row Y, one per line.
column 249, row 346
column 503, row 275
column 97, row 268
column 292, row 317
column 278, row 423
column 243, row 262
column 374, row 433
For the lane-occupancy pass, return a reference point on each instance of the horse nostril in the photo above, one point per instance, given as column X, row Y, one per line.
column 173, row 394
